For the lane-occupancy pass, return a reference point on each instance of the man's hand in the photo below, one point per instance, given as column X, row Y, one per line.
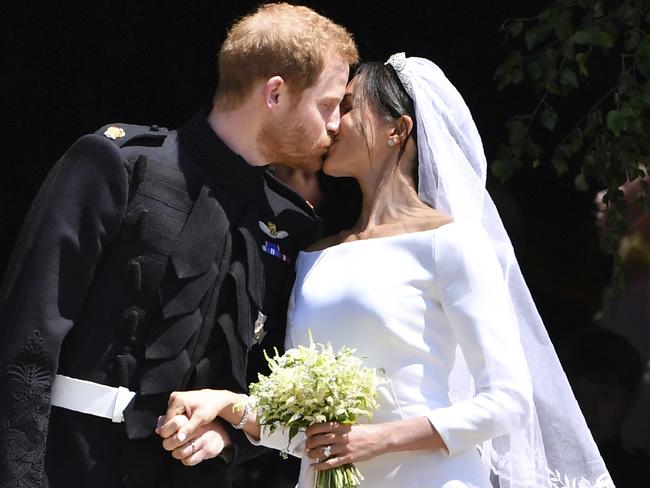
column 207, row 441
column 199, row 407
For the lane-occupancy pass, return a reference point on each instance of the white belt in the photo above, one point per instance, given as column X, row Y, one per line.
column 91, row 398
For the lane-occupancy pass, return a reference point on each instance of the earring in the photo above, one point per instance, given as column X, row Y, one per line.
column 392, row 141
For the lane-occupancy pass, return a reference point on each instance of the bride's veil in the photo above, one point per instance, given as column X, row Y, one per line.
column 556, row 449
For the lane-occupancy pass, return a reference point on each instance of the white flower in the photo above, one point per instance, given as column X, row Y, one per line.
column 312, row 384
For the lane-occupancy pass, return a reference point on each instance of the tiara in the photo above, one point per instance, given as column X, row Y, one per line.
column 398, row 62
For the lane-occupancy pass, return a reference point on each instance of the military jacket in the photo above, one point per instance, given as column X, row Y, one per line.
column 151, row 259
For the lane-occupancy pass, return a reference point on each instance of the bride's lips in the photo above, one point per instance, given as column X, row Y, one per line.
column 329, row 149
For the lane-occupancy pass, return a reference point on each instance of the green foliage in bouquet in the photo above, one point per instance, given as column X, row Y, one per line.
column 312, row 384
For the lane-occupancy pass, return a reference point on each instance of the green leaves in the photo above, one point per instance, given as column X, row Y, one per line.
column 581, row 60
column 620, row 120
column 583, row 36
column 345, row 476
column 642, row 56
column 581, row 183
column 603, row 134
column 510, row 71
column 616, row 122
column 568, row 78
column 517, row 136
column 531, row 36
column 628, row 14
column 593, row 123
column 548, row 118
column 603, row 39
column 561, row 158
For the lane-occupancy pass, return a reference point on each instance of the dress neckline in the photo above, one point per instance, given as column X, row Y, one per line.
column 380, row 238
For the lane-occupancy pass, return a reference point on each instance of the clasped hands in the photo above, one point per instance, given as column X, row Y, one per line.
column 192, row 431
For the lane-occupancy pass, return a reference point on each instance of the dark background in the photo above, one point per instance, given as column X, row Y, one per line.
column 71, row 67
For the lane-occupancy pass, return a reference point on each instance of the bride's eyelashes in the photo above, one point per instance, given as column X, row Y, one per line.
column 346, row 104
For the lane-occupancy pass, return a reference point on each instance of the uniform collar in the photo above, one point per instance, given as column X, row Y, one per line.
column 216, row 159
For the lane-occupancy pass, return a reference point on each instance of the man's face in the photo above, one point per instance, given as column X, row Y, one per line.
column 301, row 137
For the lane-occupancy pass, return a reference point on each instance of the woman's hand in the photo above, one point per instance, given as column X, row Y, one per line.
column 348, row 443
column 352, row 443
column 207, row 441
column 199, row 406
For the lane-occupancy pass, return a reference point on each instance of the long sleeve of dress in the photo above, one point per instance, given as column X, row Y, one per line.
column 472, row 291
column 76, row 213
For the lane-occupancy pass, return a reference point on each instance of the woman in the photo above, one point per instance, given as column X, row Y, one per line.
column 427, row 287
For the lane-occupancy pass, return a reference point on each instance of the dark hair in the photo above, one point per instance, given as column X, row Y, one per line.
column 379, row 89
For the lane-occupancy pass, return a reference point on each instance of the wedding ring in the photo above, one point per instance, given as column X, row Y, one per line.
column 327, row 452
column 193, row 447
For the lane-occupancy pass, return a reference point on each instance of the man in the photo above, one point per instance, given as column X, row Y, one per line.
column 157, row 260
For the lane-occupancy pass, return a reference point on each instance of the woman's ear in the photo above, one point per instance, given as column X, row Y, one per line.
column 273, row 91
column 403, row 127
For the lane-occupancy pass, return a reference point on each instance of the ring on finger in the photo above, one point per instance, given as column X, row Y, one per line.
column 193, row 447
column 327, row 451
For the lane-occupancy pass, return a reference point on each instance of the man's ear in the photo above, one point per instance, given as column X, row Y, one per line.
column 273, row 91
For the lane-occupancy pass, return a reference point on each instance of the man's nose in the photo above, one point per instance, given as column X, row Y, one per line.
column 334, row 123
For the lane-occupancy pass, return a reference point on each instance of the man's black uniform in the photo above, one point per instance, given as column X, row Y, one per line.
column 149, row 260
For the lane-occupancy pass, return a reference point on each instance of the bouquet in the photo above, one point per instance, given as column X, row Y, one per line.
column 310, row 385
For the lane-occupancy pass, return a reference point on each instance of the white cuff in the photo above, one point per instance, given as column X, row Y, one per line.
column 279, row 440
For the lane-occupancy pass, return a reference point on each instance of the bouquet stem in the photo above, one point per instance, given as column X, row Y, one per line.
column 346, row 476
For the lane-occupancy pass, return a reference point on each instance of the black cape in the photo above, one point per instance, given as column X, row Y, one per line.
column 144, row 262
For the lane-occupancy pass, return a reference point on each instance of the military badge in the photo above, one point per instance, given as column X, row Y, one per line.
column 271, row 230
column 274, row 250
column 114, row 132
column 259, row 332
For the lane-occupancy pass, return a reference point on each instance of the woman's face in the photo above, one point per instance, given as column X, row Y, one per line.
column 359, row 141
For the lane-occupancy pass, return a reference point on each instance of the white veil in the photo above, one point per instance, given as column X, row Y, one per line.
column 557, row 449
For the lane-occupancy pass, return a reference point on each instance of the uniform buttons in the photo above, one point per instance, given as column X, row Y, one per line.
column 135, row 275
column 131, row 319
column 142, row 222
column 154, row 128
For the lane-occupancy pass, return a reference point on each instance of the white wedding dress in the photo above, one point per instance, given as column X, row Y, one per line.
column 409, row 304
